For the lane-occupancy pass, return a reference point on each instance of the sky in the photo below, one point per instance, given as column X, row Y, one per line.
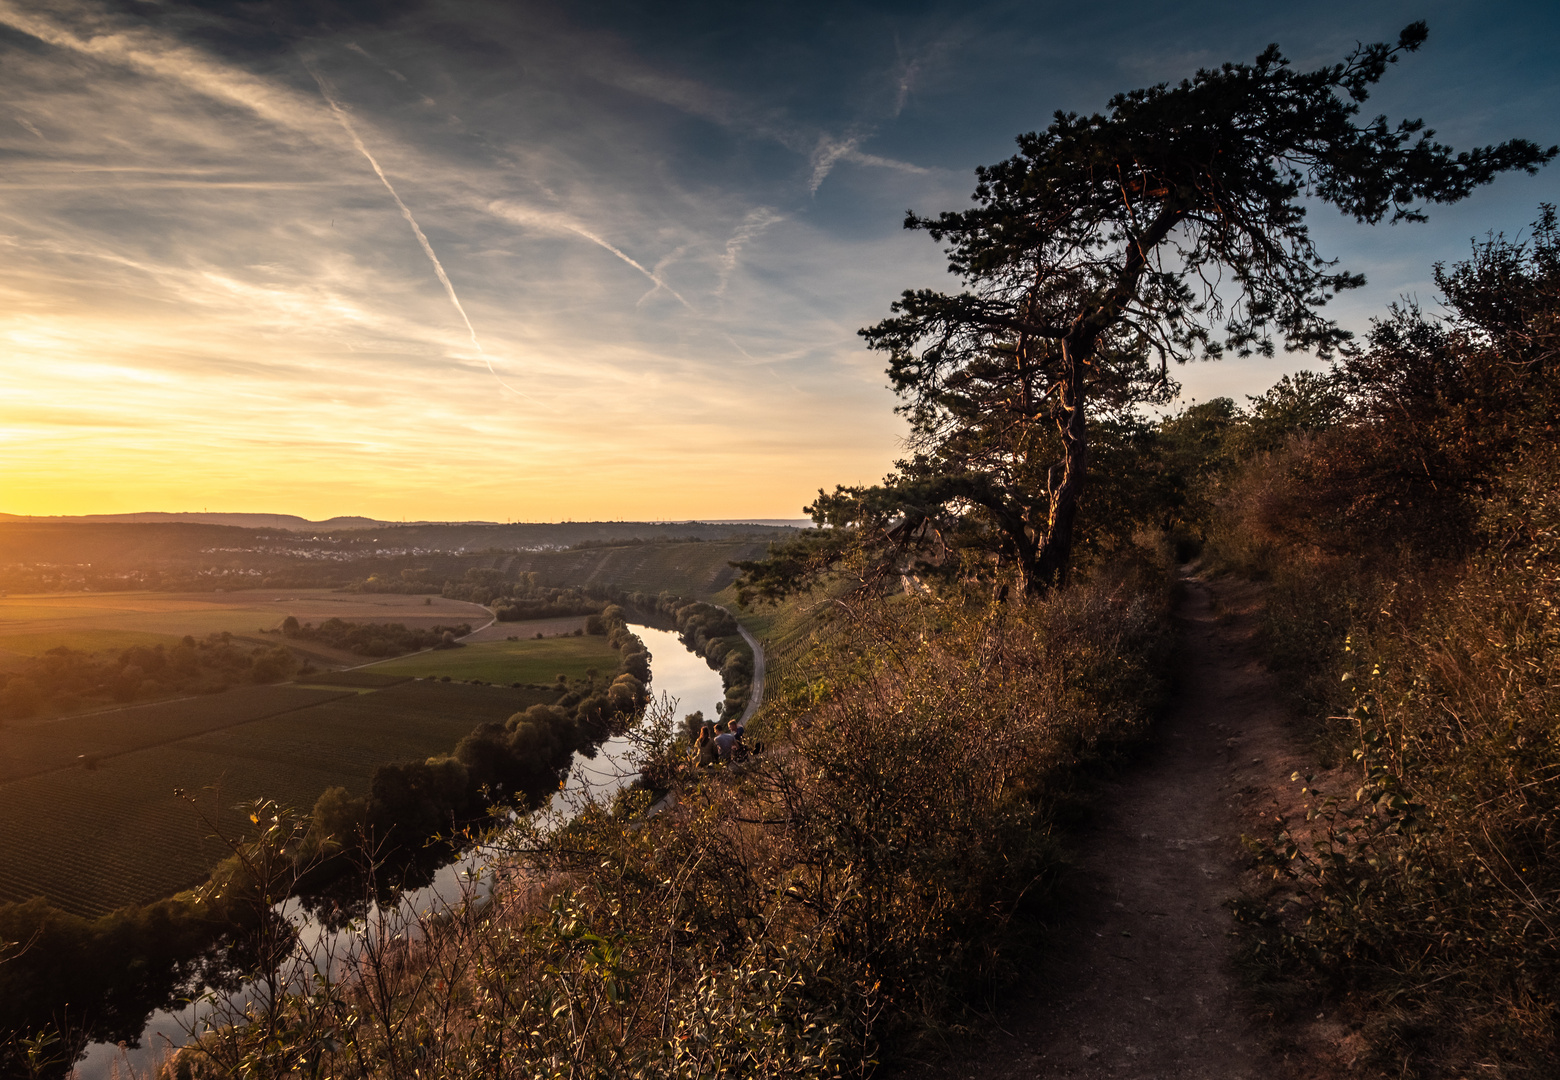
column 546, row 261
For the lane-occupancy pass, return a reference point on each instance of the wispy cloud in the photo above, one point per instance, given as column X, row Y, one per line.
column 821, row 149
column 186, row 239
column 752, row 225
column 353, row 46
column 907, row 79
column 558, row 222
column 155, row 55
column 422, row 239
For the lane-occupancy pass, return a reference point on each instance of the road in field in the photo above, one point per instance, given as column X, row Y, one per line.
column 528, row 628
column 756, row 696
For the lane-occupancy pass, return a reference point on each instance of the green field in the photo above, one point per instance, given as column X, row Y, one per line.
column 85, row 640
column 533, row 660
column 93, row 840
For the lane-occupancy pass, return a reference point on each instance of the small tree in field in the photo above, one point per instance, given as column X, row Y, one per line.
column 1170, row 226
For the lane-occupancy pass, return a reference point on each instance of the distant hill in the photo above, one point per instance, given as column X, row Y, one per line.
column 483, row 536
column 779, row 523
column 176, row 552
column 243, row 521
column 294, row 523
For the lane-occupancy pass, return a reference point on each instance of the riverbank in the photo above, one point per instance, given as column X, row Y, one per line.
column 677, row 673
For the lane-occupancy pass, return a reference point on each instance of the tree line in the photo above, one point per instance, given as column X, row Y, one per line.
column 373, row 639
column 708, row 630
column 67, row 680
column 519, row 761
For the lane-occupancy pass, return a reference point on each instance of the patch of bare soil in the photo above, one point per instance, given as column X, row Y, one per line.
column 1138, row 980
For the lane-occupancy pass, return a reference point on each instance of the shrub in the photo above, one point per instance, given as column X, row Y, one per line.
column 805, row 915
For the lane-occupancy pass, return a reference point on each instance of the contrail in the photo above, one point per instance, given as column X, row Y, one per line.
column 438, row 267
column 557, row 221
column 660, row 282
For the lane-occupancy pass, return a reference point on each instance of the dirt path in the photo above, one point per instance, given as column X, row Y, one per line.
column 1139, row 979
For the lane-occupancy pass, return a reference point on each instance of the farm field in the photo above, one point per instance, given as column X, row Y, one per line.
column 30, row 625
column 527, row 660
column 528, row 628
column 34, row 746
column 93, row 840
column 16, row 649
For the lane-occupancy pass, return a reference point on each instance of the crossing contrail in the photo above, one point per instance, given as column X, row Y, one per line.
column 525, row 216
column 438, row 267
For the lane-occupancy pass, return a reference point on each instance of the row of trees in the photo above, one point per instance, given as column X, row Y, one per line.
column 66, row 680
column 373, row 639
column 520, row 761
column 710, row 631
column 542, row 602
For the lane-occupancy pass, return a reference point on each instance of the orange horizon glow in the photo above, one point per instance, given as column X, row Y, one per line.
column 531, row 270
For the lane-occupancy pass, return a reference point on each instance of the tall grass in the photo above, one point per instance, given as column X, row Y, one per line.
column 1423, row 887
column 812, row 913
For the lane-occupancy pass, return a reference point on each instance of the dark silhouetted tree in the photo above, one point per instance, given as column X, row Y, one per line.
column 1170, row 226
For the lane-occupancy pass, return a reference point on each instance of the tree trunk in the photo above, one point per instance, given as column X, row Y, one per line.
column 1025, row 560
column 1055, row 556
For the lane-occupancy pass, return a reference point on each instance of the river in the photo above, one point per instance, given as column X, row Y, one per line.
column 676, row 673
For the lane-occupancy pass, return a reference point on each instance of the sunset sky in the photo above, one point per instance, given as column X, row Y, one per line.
column 532, row 261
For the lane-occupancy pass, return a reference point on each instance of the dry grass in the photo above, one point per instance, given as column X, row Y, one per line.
column 1424, row 890
column 807, row 915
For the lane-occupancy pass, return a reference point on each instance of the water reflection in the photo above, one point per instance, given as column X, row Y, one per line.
column 677, row 674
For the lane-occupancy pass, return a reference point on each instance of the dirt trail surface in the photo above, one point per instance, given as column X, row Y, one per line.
column 1139, row 981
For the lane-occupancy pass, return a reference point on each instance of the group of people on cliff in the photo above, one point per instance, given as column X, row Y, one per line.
column 720, row 743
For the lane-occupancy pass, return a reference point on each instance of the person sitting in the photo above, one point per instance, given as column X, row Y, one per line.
column 704, row 747
column 727, row 742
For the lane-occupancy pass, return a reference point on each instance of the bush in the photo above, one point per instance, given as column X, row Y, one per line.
column 1415, row 553
column 805, row 915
